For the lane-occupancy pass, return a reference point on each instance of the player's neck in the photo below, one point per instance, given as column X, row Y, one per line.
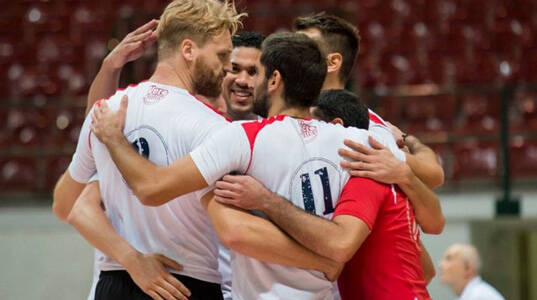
column 166, row 74
column 296, row 112
column 332, row 82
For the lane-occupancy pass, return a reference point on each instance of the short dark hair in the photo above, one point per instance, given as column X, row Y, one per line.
column 338, row 36
column 342, row 104
column 300, row 63
column 248, row 39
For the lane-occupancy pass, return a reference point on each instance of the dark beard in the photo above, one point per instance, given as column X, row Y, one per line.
column 260, row 106
column 205, row 83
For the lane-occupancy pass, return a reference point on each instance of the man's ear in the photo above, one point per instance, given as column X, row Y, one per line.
column 188, row 50
column 275, row 81
column 337, row 121
column 334, row 62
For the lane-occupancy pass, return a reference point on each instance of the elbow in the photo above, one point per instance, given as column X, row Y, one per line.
column 73, row 216
column 436, row 227
column 438, row 178
column 341, row 252
column 148, row 196
column 60, row 212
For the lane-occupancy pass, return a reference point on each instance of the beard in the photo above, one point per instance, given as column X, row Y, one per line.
column 261, row 100
column 206, row 82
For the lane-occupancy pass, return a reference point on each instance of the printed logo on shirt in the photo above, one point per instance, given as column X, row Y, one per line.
column 308, row 131
column 155, row 94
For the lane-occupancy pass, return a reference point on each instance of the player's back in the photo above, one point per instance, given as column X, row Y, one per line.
column 297, row 159
column 163, row 124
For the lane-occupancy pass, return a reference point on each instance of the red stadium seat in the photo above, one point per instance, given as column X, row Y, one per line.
column 18, row 174
column 475, row 160
column 523, row 156
column 55, row 167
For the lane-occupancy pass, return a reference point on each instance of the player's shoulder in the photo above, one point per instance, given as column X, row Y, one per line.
column 130, row 90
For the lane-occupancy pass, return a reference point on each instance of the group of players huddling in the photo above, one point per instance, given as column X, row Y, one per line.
column 308, row 195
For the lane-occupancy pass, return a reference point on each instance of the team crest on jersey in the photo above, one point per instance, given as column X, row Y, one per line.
column 307, row 130
column 155, row 94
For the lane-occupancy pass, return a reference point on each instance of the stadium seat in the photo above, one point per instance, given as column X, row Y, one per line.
column 523, row 156
column 55, row 167
column 475, row 160
column 18, row 174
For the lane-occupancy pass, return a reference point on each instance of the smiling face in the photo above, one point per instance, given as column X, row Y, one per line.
column 242, row 81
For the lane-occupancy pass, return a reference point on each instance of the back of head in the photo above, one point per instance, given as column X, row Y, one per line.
column 197, row 20
column 339, row 36
column 248, row 39
column 342, row 104
column 300, row 63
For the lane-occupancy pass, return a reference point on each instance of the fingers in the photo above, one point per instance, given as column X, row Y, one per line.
column 357, row 165
column 365, row 174
column 151, row 25
column 375, row 144
column 173, row 292
column 224, row 185
column 234, row 178
column 354, row 155
column 178, row 285
column 225, row 193
column 164, row 293
column 358, row 147
column 169, row 262
column 124, row 104
column 154, row 295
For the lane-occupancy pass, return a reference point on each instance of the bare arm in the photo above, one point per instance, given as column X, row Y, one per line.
column 421, row 159
column 130, row 48
column 152, row 184
column 337, row 239
column 259, row 238
column 427, row 264
column 65, row 194
column 147, row 270
column 424, row 162
column 379, row 164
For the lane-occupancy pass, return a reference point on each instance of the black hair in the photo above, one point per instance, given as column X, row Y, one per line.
column 338, row 35
column 300, row 63
column 342, row 104
column 248, row 39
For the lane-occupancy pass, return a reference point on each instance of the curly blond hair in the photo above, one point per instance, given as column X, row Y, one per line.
column 197, row 20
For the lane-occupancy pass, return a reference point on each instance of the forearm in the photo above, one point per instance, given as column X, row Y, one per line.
column 319, row 235
column 105, row 83
column 65, row 194
column 92, row 223
column 424, row 163
column 259, row 238
column 152, row 184
column 426, row 205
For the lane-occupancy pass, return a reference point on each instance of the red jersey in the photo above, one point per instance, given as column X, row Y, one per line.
column 387, row 265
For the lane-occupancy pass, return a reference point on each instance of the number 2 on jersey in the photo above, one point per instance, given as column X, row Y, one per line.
column 307, row 192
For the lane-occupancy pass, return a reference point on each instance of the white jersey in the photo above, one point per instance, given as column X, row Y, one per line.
column 163, row 123
column 297, row 159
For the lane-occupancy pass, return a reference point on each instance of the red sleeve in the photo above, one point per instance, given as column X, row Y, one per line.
column 362, row 198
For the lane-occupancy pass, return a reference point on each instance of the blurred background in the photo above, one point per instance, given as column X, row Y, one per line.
column 459, row 74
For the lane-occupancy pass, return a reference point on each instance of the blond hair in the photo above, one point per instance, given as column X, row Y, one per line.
column 197, row 20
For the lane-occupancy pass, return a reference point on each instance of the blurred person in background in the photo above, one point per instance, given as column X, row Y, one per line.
column 460, row 270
